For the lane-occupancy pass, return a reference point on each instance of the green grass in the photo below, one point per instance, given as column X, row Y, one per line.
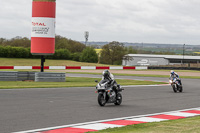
column 159, row 76
column 140, row 75
column 169, row 70
column 187, row 125
column 70, row 82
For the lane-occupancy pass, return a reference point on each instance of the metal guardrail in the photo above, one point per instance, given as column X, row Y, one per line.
column 8, row 76
column 34, row 76
column 22, row 76
column 50, row 77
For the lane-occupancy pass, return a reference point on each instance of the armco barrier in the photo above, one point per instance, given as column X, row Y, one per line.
column 22, row 76
column 34, row 76
column 8, row 76
column 76, row 67
column 49, row 77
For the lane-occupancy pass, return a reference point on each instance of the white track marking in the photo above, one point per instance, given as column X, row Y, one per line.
column 98, row 126
column 183, row 114
column 147, row 119
column 94, row 122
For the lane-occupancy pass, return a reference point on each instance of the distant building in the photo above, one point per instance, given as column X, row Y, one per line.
column 156, row 60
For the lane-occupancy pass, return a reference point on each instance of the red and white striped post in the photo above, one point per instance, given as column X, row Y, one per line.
column 43, row 28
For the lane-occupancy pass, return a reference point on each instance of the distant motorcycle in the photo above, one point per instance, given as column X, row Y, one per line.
column 175, row 83
column 106, row 94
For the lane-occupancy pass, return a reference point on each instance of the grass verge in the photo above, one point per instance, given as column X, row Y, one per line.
column 159, row 76
column 140, row 75
column 70, row 82
column 168, row 70
column 187, row 125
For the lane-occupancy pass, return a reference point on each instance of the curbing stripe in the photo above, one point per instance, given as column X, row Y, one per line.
column 69, row 130
column 116, row 67
column 111, row 123
column 88, row 67
column 124, row 122
column 98, row 126
column 57, row 67
column 193, row 111
column 22, row 67
column 168, row 117
column 141, row 68
column 147, row 119
column 6, row 67
column 183, row 114
column 75, row 67
column 102, row 67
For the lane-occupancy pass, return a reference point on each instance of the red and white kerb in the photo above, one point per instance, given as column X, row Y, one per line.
column 43, row 28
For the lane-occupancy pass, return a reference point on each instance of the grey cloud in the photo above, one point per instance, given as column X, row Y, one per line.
column 159, row 21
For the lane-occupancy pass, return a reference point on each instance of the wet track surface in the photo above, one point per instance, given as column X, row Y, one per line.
column 26, row 109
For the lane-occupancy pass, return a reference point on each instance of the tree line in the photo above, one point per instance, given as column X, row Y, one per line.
column 67, row 49
column 61, row 43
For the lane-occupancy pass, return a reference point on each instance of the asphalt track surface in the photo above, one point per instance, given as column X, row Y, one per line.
column 28, row 109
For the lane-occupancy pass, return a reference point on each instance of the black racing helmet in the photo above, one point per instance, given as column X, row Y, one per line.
column 106, row 73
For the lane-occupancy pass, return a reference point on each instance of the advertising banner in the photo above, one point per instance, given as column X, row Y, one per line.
column 43, row 28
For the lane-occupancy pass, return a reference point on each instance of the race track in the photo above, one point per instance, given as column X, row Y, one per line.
column 27, row 109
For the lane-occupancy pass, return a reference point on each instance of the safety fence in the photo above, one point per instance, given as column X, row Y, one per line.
column 32, row 76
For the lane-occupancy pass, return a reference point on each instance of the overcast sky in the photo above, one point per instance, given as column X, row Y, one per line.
column 147, row 21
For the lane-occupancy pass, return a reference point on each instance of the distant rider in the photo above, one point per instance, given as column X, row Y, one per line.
column 107, row 75
column 174, row 75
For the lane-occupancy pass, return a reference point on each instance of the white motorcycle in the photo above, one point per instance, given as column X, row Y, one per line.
column 108, row 95
column 175, row 83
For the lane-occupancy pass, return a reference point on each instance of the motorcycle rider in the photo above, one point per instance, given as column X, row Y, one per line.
column 174, row 75
column 107, row 75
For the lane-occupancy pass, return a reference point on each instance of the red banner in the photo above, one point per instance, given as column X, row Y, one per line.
column 43, row 28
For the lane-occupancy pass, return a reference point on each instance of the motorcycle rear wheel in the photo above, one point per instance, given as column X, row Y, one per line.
column 101, row 100
column 180, row 89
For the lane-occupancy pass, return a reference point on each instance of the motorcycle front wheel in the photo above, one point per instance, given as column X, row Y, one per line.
column 174, row 88
column 118, row 99
column 101, row 100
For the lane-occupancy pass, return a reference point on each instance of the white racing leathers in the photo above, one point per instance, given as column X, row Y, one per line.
column 113, row 83
column 175, row 76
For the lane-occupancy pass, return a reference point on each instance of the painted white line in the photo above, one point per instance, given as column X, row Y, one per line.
column 98, row 126
column 93, row 122
column 183, row 114
column 147, row 119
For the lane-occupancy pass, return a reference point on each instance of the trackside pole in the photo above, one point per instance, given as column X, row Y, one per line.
column 42, row 63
